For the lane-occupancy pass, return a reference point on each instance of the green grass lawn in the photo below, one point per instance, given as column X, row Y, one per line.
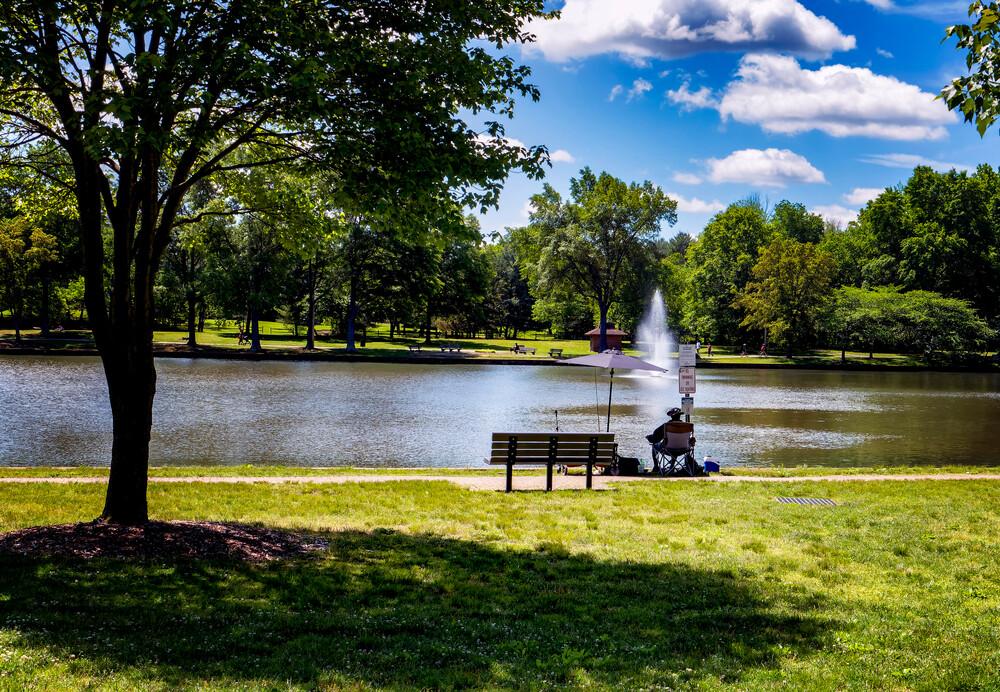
column 275, row 335
column 278, row 336
column 425, row 585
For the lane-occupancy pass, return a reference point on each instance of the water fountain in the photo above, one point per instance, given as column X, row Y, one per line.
column 655, row 338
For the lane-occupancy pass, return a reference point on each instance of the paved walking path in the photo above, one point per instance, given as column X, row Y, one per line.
column 520, row 482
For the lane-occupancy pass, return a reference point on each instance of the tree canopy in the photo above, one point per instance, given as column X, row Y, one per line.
column 130, row 104
column 590, row 243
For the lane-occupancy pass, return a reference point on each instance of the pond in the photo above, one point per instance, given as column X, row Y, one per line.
column 54, row 411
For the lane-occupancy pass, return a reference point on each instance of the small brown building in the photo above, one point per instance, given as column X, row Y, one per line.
column 615, row 337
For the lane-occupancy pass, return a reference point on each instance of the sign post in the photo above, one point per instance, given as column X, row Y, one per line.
column 687, row 360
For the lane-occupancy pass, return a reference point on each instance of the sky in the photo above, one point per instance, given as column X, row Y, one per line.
column 826, row 103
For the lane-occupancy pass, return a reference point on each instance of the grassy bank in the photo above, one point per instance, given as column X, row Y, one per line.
column 279, row 339
column 427, row 585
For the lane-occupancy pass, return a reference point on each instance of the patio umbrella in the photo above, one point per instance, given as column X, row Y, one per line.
column 610, row 360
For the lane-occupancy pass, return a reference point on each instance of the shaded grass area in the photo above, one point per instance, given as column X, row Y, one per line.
column 427, row 585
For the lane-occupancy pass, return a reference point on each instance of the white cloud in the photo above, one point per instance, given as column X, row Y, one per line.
column 695, row 205
column 885, row 53
column 836, row 213
column 641, row 29
column 691, row 100
column 561, row 156
column 910, row 161
column 616, row 91
column 686, row 179
column 763, row 167
column 862, row 195
column 776, row 93
column 639, row 87
column 527, row 208
column 937, row 10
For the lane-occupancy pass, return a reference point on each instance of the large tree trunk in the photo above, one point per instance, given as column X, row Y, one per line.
column 603, row 342
column 427, row 323
column 311, row 315
column 253, row 313
column 255, row 346
column 44, row 318
column 192, row 319
column 352, row 315
column 131, row 377
column 15, row 312
column 192, row 301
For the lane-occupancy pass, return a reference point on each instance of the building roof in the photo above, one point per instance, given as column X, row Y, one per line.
column 611, row 332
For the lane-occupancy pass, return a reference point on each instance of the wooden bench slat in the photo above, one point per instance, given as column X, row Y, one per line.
column 522, row 443
column 560, row 454
column 542, row 461
column 602, row 450
column 544, row 436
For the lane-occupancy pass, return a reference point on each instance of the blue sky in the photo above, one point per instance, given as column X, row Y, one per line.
column 824, row 103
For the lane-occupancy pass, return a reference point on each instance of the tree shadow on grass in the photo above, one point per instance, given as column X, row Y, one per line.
column 391, row 609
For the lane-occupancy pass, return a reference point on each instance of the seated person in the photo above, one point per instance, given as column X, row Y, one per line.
column 675, row 438
column 675, row 434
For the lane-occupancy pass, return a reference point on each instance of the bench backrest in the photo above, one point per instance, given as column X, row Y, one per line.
column 559, row 447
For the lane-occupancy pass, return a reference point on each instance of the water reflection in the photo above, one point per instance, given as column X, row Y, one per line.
column 54, row 411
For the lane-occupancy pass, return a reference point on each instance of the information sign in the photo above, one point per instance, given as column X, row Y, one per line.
column 686, row 380
column 687, row 356
column 687, row 405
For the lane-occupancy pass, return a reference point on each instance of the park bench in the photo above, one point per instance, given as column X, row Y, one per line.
column 529, row 350
column 550, row 449
column 451, row 347
column 414, row 348
column 555, row 353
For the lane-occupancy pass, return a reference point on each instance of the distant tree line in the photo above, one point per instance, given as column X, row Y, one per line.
column 918, row 271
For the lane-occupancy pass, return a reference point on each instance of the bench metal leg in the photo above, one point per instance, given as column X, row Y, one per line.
column 510, row 477
column 548, row 476
column 592, row 457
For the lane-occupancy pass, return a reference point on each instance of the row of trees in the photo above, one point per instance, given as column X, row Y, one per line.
column 918, row 271
column 932, row 244
column 247, row 251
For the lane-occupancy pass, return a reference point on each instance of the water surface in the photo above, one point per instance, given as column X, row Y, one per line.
column 54, row 411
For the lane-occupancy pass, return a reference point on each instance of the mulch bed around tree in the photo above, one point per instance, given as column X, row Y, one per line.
column 156, row 540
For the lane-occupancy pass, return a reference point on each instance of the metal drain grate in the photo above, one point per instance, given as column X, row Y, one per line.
column 825, row 502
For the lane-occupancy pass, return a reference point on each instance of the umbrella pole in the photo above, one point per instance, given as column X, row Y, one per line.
column 611, row 386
